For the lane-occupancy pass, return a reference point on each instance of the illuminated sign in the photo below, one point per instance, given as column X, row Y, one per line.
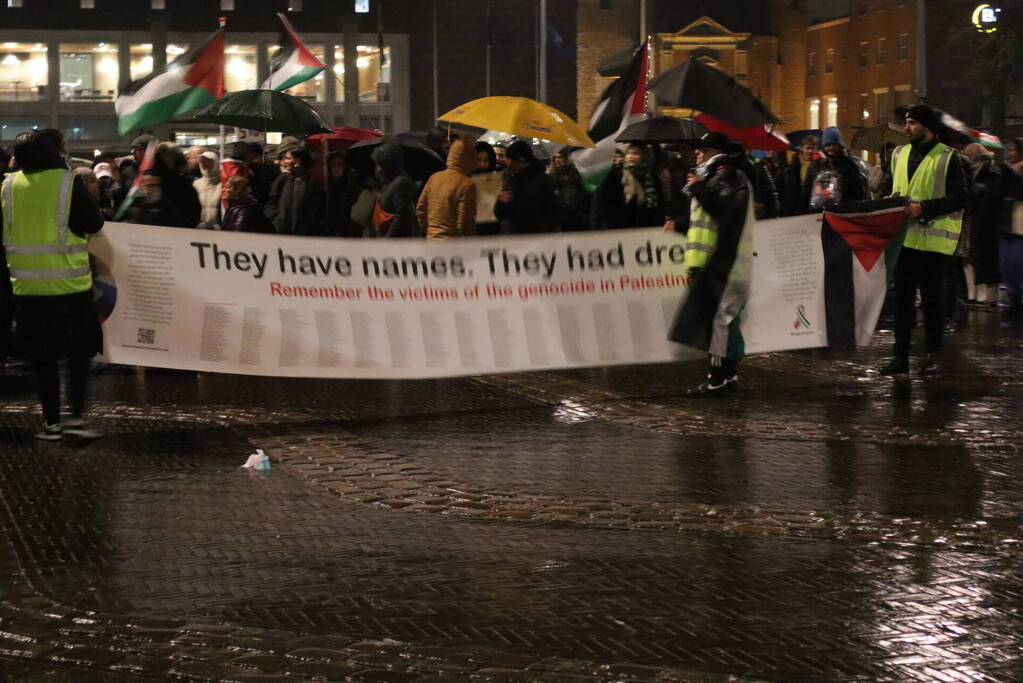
column 985, row 18
column 362, row 6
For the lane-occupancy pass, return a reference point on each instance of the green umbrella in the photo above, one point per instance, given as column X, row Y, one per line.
column 268, row 111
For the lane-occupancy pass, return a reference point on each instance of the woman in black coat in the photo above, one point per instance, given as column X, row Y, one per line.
column 296, row 205
column 631, row 195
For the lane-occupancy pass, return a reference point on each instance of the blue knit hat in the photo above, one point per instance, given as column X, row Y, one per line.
column 832, row 136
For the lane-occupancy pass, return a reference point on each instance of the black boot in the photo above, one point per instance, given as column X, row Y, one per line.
column 898, row 365
column 1014, row 312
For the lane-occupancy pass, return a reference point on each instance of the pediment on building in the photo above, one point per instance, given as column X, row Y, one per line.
column 704, row 26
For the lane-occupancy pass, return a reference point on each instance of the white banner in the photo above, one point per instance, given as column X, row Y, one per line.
column 325, row 307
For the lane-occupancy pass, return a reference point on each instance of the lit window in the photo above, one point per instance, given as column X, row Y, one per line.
column 815, row 114
column 227, row 5
column 829, row 61
column 362, row 6
column 87, row 4
column 374, row 74
column 832, row 110
column 294, row 5
column 882, row 50
column 14, row 3
column 903, row 49
column 881, row 107
column 24, row 71
column 88, row 72
column 157, row 4
column 240, row 68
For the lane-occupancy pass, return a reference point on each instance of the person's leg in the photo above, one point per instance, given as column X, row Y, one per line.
column 1010, row 255
column 78, row 381
column 932, row 276
column 48, row 388
column 905, row 310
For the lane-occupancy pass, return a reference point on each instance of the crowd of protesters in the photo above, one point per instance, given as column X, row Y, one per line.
column 507, row 188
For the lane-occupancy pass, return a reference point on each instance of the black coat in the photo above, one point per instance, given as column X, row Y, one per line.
column 244, row 215
column 610, row 211
column 983, row 210
column 852, row 182
column 533, row 207
column 296, row 206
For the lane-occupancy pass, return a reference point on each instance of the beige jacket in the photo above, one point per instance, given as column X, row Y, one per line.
column 447, row 206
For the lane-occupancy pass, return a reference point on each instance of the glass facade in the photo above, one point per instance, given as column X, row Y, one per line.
column 24, row 72
column 10, row 126
column 88, row 72
column 315, row 89
column 374, row 73
column 88, row 127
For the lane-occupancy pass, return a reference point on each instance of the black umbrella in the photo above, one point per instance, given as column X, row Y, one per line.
column 420, row 161
column 662, row 129
column 268, row 111
column 695, row 85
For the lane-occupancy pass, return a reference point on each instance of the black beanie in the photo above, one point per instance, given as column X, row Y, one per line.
column 924, row 115
column 520, row 151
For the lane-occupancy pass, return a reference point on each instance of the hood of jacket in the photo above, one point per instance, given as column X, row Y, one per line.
column 462, row 157
column 388, row 157
column 212, row 175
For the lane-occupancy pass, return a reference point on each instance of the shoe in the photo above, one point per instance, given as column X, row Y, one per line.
column 80, row 428
column 50, row 433
column 896, row 366
column 710, row 390
column 931, row 366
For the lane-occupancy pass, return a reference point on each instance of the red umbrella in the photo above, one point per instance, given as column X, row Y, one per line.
column 341, row 139
column 765, row 137
column 344, row 136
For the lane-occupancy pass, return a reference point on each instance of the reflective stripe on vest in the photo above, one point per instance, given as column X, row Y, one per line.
column 940, row 235
column 702, row 237
column 44, row 257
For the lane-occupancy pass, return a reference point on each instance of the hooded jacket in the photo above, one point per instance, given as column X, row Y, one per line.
column 397, row 196
column 207, row 187
column 447, row 206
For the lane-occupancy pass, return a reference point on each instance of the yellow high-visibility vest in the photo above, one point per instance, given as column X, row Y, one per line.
column 701, row 238
column 45, row 258
column 940, row 235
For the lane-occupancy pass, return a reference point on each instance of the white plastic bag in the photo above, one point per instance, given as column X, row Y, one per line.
column 258, row 461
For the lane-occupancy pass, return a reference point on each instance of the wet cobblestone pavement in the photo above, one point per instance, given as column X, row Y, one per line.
column 589, row 525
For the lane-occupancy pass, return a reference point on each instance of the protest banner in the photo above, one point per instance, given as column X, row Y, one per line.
column 326, row 307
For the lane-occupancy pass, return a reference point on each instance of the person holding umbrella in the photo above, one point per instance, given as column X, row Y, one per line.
column 394, row 214
column 631, row 195
column 528, row 204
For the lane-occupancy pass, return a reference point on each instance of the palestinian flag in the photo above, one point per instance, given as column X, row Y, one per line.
column 148, row 159
column 193, row 80
column 623, row 103
column 861, row 242
column 293, row 63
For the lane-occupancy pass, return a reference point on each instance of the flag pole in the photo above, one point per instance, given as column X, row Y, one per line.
column 223, row 24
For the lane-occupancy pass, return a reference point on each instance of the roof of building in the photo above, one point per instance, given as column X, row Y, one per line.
column 739, row 16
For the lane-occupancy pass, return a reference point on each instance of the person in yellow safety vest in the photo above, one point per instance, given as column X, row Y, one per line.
column 721, row 212
column 931, row 175
column 46, row 215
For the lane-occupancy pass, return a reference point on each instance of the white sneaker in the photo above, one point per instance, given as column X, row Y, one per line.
column 50, row 433
column 81, row 429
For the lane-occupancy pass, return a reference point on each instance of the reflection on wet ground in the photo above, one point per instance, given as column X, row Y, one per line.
column 156, row 519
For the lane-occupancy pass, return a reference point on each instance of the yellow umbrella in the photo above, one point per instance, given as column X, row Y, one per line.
column 520, row 116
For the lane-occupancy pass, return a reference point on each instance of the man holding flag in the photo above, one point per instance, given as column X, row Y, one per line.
column 931, row 175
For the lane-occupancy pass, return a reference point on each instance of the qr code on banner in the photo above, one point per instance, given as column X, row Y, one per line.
column 147, row 336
